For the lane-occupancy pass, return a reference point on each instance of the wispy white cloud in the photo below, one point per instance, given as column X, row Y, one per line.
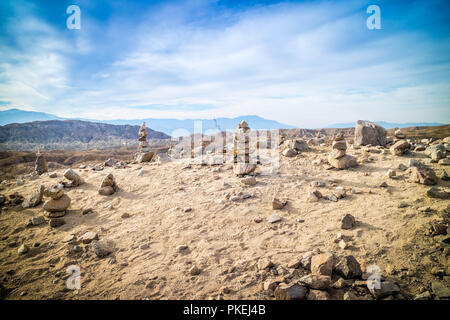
column 303, row 64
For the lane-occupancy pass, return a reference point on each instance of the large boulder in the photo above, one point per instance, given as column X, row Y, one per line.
column 344, row 162
column 400, row 147
column 367, row 132
column 73, row 177
column 423, row 175
column 436, row 152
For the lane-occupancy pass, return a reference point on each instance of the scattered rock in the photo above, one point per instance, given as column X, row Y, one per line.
column 22, row 249
column 274, row 218
column 35, row 221
column 278, row 204
column 249, row 181
column 102, row 248
column 290, row 292
column 319, row 282
column 35, row 199
column 400, row 147
column 441, row 290
column 422, row 174
column 386, row 288
column 402, row 204
column 348, row 222
column 322, row 264
column 88, row 237
column 56, row 222
column 125, row 215
column 439, row 193
column 391, row 173
column 73, row 177
column 318, row 295
column 194, row 271
column 288, row 152
column 348, row 267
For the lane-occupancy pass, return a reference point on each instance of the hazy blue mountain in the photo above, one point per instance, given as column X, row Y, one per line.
column 388, row 125
column 169, row 125
column 163, row 125
column 21, row 116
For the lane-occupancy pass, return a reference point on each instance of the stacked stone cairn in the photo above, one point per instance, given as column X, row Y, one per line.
column 242, row 165
column 144, row 154
column 337, row 158
column 56, row 207
column 108, row 186
column 40, row 165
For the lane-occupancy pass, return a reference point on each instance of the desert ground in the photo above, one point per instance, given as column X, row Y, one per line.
column 177, row 230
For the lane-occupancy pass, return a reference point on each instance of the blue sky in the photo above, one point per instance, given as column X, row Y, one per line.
column 304, row 63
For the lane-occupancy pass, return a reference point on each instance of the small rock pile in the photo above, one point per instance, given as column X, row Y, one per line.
column 242, row 165
column 329, row 275
column 337, row 158
column 144, row 154
column 56, row 207
column 40, row 165
column 75, row 179
column 108, row 186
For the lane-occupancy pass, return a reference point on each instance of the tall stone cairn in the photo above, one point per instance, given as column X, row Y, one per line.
column 242, row 165
column 337, row 157
column 144, row 154
column 40, row 166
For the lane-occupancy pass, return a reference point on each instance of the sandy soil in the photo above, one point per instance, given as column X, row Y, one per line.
column 222, row 236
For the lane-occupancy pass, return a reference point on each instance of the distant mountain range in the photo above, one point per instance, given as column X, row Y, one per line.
column 68, row 134
column 168, row 126
column 164, row 125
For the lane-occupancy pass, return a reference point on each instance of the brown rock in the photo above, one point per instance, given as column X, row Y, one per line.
column 290, row 292
column 322, row 264
column 60, row 204
column 348, row 267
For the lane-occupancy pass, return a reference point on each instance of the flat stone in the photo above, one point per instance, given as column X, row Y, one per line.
column 348, row 267
column 319, row 282
column 106, row 191
column 348, row 222
column 385, row 289
column 290, row 292
column 278, row 204
column 88, row 237
column 56, row 222
column 318, row 295
column 274, row 218
column 60, row 204
column 441, row 290
column 35, row 221
column 322, row 264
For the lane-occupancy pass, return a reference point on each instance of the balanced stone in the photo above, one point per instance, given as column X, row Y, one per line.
column 57, row 205
column 73, row 177
column 337, row 158
column 144, row 154
column 55, row 192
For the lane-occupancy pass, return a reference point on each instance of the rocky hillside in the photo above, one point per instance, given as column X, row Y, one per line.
column 69, row 134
